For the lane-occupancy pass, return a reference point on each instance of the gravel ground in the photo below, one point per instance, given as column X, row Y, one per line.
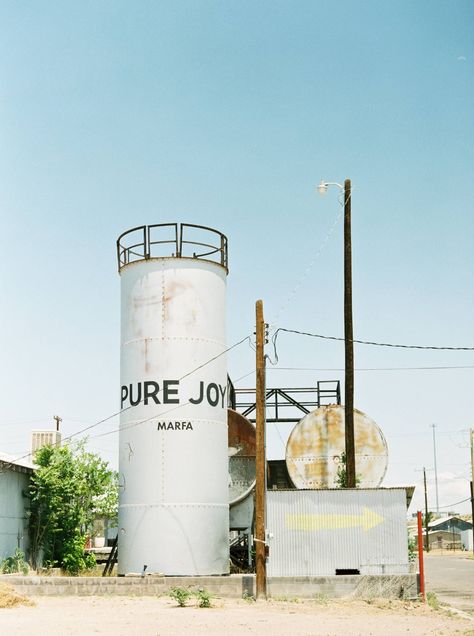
column 148, row 616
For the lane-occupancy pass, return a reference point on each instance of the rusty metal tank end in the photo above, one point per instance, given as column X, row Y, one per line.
column 315, row 446
column 241, row 443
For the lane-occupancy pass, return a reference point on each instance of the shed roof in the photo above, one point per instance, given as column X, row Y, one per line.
column 8, row 461
column 443, row 520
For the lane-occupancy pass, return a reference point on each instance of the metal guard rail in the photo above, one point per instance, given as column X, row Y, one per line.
column 144, row 248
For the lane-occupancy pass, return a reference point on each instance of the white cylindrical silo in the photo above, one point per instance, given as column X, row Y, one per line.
column 173, row 508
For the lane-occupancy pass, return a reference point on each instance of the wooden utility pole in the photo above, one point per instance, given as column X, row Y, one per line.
column 433, row 426
column 420, row 556
column 427, row 540
column 348, row 341
column 472, row 485
column 260, row 557
column 58, row 421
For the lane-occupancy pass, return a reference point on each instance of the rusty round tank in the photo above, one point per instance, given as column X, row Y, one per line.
column 241, row 442
column 316, row 444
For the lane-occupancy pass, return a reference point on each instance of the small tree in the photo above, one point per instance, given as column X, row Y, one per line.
column 68, row 490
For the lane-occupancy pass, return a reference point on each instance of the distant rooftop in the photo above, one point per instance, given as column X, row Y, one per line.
column 439, row 522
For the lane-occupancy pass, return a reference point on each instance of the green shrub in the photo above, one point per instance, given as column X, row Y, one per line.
column 74, row 559
column 322, row 599
column 412, row 549
column 180, row 595
column 432, row 600
column 70, row 488
column 14, row 564
column 204, row 597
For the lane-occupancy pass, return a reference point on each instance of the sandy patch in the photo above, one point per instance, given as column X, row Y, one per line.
column 117, row 616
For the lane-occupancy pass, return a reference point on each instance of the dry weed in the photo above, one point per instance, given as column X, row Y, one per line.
column 10, row 598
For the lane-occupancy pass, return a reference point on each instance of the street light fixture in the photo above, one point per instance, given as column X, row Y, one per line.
column 348, row 332
column 323, row 186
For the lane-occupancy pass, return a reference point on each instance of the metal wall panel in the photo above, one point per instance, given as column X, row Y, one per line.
column 315, row 532
column 13, row 519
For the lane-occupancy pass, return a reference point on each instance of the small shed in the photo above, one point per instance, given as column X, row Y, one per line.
column 444, row 540
column 467, row 540
column 449, row 524
column 337, row 531
column 445, row 533
column 14, row 482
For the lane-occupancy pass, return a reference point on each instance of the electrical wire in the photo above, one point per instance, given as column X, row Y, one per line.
column 143, row 421
column 174, row 408
column 364, row 342
column 113, row 415
column 436, row 368
column 244, row 376
column 456, row 503
column 310, row 266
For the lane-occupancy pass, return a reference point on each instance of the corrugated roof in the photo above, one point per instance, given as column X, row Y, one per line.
column 438, row 522
column 9, row 460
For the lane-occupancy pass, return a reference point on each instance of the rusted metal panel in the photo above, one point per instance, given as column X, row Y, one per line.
column 241, row 440
column 317, row 532
column 173, row 453
column 316, row 444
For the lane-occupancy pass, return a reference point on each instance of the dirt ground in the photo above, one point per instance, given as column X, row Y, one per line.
column 148, row 616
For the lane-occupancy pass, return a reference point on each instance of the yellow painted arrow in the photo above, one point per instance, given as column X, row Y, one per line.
column 367, row 520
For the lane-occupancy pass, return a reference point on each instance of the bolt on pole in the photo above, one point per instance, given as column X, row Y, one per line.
column 260, row 544
column 348, row 341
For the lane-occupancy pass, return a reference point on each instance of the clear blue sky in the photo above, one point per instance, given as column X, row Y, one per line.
column 228, row 114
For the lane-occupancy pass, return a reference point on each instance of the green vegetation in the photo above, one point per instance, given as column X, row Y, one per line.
column 70, row 488
column 432, row 600
column 412, row 549
column 204, row 597
column 181, row 595
column 321, row 599
column 14, row 564
column 341, row 479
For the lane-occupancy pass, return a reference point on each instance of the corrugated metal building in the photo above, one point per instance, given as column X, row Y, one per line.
column 445, row 533
column 14, row 480
column 467, row 539
column 327, row 532
column 450, row 524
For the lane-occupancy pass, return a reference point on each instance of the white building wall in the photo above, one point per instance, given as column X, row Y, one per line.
column 318, row 532
column 13, row 507
column 467, row 539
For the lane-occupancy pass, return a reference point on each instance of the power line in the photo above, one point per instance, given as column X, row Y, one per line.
column 309, row 267
column 367, row 342
column 174, row 408
column 133, row 424
column 244, row 376
column 428, row 368
column 109, row 417
column 456, row 503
